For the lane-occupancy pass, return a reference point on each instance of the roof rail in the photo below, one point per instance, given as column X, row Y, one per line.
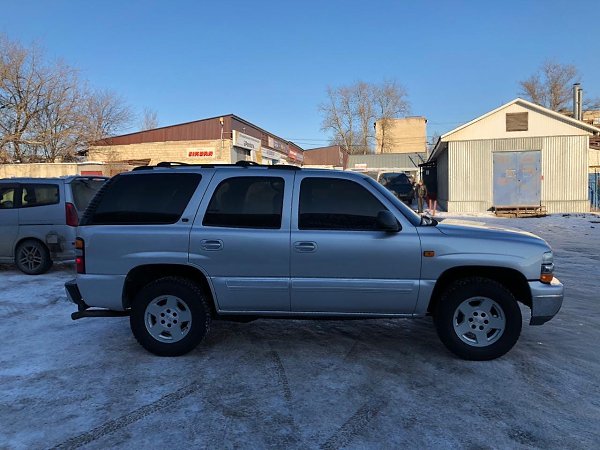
column 240, row 164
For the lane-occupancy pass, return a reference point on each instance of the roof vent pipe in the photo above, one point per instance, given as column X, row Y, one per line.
column 577, row 100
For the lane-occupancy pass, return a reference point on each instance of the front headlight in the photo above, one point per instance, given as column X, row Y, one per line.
column 547, row 271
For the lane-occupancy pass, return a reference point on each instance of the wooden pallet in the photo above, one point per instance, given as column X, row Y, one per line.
column 520, row 211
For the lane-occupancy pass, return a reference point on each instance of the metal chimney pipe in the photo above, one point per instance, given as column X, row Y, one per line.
column 579, row 104
column 575, row 100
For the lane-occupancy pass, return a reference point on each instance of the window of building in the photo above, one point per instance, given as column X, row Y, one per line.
column 517, row 121
column 7, row 197
column 39, row 195
column 246, row 202
column 335, row 204
column 144, row 199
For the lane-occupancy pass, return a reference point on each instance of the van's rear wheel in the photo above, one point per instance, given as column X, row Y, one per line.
column 478, row 319
column 32, row 257
column 170, row 316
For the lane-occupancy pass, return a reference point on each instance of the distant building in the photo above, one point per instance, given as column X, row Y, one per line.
column 377, row 164
column 330, row 157
column 405, row 135
column 223, row 139
column 520, row 154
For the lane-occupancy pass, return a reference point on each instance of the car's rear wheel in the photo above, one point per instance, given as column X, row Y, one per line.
column 32, row 257
column 478, row 319
column 170, row 316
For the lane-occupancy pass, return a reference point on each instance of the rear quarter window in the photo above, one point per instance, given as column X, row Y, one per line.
column 153, row 198
column 39, row 195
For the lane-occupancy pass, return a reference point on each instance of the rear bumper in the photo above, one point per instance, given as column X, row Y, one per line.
column 74, row 295
column 546, row 300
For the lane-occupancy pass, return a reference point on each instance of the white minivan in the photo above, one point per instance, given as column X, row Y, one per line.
column 38, row 218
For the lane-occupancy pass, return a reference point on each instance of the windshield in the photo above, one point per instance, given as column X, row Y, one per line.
column 395, row 178
column 412, row 216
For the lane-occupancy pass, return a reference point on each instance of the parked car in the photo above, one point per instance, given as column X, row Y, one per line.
column 38, row 217
column 176, row 246
column 399, row 184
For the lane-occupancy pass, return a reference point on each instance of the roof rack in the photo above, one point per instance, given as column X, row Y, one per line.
column 241, row 164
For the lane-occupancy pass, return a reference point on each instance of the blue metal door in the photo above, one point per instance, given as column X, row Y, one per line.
column 517, row 180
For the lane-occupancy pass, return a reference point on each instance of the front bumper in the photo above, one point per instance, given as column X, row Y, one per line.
column 546, row 300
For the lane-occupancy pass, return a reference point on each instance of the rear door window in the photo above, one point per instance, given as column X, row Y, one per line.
column 143, row 199
column 84, row 190
column 246, row 202
column 39, row 195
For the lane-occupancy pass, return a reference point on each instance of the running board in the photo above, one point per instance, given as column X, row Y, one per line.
column 98, row 313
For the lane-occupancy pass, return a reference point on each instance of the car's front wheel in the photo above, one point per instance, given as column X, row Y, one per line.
column 170, row 316
column 478, row 319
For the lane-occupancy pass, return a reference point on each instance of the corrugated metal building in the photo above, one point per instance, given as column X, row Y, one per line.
column 224, row 139
column 520, row 154
column 387, row 162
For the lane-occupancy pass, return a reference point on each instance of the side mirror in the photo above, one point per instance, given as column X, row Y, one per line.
column 386, row 221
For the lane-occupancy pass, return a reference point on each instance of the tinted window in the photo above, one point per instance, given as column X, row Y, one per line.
column 246, row 202
column 39, row 195
column 389, row 179
column 333, row 204
column 84, row 190
column 155, row 198
column 7, row 197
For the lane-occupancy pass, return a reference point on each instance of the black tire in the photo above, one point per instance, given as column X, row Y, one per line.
column 192, row 299
column 462, row 290
column 32, row 257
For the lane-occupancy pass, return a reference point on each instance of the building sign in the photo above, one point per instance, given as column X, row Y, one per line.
column 200, row 153
column 278, row 145
column 245, row 141
column 271, row 154
column 296, row 155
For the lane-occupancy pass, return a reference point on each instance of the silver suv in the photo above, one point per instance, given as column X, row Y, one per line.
column 176, row 246
column 38, row 217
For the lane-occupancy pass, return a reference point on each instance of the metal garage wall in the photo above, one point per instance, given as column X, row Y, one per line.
column 442, row 179
column 564, row 171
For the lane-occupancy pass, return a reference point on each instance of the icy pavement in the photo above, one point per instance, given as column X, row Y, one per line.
column 303, row 384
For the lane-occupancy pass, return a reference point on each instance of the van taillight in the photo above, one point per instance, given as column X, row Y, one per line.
column 79, row 255
column 71, row 213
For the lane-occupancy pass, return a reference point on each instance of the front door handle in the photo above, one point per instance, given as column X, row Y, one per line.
column 211, row 244
column 305, row 246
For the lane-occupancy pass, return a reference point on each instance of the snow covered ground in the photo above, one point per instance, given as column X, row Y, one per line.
column 303, row 384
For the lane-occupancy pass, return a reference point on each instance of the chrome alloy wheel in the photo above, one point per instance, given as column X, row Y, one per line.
column 168, row 318
column 479, row 321
column 30, row 257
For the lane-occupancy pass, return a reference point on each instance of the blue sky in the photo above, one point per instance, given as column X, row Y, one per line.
column 270, row 62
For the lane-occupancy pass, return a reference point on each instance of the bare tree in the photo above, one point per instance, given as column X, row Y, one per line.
column 350, row 112
column 46, row 113
column 60, row 125
column 551, row 86
column 22, row 95
column 390, row 102
column 149, row 119
column 106, row 114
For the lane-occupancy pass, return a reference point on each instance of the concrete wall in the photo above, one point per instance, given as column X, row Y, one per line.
column 406, row 135
column 199, row 152
column 593, row 158
column 564, row 185
column 49, row 170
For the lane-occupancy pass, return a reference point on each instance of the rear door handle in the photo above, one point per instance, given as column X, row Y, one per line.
column 211, row 244
column 305, row 247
